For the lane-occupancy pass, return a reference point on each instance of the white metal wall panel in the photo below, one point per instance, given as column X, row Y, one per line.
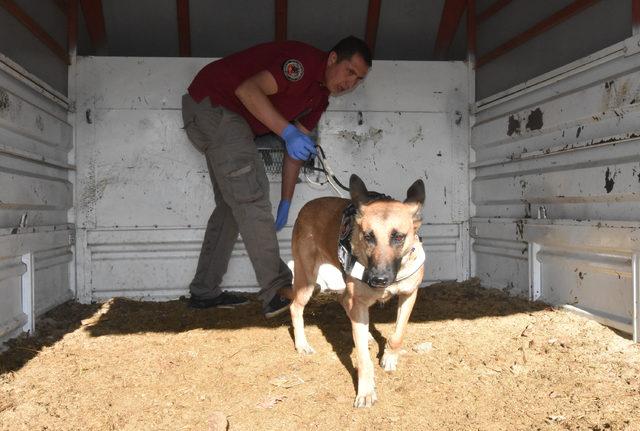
column 557, row 168
column 143, row 192
column 36, row 195
column 12, row 318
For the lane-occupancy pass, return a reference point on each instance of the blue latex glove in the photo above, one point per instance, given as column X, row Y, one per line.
column 283, row 214
column 299, row 145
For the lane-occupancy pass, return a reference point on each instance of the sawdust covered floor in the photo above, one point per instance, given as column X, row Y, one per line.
column 496, row 363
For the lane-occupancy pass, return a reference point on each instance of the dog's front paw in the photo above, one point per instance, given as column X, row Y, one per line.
column 389, row 361
column 305, row 349
column 367, row 399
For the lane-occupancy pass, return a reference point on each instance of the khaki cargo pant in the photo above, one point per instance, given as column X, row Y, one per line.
column 241, row 191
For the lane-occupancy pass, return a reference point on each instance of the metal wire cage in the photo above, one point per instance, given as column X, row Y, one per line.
column 271, row 147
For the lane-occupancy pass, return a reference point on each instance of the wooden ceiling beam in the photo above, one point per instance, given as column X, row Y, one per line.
column 281, row 20
column 94, row 18
column 184, row 28
column 452, row 12
column 72, row 27
column 635, row 16
column 495, row 7
column 537, row 29
column 471, row 30
column 62, row 5
column 373, row 20
column 35, row 29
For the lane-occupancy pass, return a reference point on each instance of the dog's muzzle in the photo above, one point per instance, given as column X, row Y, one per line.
column 380, row 277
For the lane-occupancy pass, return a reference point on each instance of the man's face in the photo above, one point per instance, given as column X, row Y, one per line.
column 340, row 77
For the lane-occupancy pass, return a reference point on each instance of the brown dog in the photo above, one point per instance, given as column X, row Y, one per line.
column 386, row 259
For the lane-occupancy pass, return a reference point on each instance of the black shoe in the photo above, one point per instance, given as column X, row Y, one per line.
column 224, row 300
column 279, row 304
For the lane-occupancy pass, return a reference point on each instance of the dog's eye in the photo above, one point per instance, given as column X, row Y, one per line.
column 370, row 237
column 397, row 238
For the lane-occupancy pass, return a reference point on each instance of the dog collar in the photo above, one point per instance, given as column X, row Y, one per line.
column 411, row 262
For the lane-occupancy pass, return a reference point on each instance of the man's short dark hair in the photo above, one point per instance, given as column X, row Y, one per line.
column 352, row 45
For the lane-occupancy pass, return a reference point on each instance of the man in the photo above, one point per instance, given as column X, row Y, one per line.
column 230, row 101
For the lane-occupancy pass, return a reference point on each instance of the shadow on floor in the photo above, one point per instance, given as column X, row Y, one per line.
column 119, row 316
column 50, row 329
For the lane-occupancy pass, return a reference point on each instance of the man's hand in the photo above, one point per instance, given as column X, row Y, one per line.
column 283, row 214
column 299, row 145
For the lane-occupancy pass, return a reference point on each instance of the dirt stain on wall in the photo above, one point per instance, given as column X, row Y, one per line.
column 609, row 180
column 513, row 126
column 534, row 120
column 372, row 134
column 4, row 100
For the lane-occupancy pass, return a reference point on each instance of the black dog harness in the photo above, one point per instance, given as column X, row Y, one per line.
column 411, row 262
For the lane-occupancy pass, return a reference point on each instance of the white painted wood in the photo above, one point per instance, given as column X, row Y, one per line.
column 33, row 125
column 159, row 83
column 38, row 90
column 535, row 269
column 11, row 321
column 565, row 144
column 11, row 328
column 28, row 294
column 143, row 193
column 545, row 81
column 35, row 199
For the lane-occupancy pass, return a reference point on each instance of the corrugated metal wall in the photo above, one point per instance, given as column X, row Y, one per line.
column 143, row 192
column 556, row 166
column 36, row 195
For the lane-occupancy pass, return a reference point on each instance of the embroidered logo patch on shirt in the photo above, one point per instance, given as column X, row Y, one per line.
column 293, row 70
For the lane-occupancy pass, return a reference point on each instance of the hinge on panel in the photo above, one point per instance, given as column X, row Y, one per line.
column 23, row 220
column 72, row 237
column 473, row 231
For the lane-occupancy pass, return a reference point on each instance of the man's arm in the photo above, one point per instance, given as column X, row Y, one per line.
column 301, row 127
column 290, row 171
column 253, row 94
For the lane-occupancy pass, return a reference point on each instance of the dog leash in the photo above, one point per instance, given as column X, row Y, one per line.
column 333, row 181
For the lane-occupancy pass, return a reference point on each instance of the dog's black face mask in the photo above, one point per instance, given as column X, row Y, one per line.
column 381, row 276
column 384, row 230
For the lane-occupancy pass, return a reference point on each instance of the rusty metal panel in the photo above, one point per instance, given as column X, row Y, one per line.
column 36, row 196
column 557, row 180
column 143, row 193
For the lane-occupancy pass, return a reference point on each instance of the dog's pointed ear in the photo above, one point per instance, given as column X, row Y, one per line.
column 358, row 190
column 415, row 198
column 415, row 193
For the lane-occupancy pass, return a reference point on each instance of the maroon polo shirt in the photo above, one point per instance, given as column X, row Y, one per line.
column 298, row 69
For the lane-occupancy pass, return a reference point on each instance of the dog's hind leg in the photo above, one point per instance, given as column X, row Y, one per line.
column 302, row 291
column 389, row 359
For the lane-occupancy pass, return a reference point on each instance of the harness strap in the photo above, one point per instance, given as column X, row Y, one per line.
column 412, row 261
